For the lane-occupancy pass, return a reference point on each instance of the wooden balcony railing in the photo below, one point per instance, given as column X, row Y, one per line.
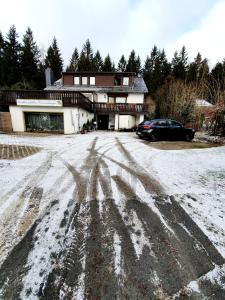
column 71, row 99
column 121, row 108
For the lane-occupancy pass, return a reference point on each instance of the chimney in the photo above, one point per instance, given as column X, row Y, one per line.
column 49, row 77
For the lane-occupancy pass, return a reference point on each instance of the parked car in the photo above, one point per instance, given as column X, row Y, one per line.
column 164, row 129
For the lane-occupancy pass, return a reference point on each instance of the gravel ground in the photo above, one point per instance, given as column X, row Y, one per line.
column 92, row 217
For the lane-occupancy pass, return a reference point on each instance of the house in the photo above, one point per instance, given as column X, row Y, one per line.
column 114, row 99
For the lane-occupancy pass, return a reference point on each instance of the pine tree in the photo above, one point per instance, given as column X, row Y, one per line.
column 156, row 69
column 138, row 65
column 29, row 58
column 165, row 67
column 86, row 62
column 97, row 62
column 122, row 64
column 218, row 74
column 2, row 48
column 198, row 70
column 134, row 63
column 73, row 66
column 11, row 60
column 108, row 65
column 180, row 64
column 54, row 59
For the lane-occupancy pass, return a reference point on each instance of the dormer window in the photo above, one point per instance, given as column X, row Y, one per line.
column 92, row 80
column 84, row 80
column 76, row 80
column 125, row 80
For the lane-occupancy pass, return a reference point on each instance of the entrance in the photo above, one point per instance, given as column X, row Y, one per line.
column 44, row 122
column 103, row 122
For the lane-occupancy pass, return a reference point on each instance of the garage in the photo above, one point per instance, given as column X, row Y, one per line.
column 126, row 121
column 43, row 121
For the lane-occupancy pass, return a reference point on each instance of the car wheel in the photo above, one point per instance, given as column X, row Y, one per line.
column 188, row 138
column 154, row 137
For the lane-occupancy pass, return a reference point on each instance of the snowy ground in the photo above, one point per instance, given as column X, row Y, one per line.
column 105, row 215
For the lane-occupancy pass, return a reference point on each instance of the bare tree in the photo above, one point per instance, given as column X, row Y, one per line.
column 177, row 100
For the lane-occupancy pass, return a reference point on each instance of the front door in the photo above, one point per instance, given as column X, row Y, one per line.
column 103, row 122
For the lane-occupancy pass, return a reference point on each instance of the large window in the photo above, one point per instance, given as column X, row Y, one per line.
column 76, row 80
column 92, row 80
column 84, row 80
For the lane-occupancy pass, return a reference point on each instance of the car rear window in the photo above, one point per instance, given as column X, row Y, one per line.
column 161, row 123
column 175, row 124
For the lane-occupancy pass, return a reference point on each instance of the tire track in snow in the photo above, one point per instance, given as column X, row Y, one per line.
column 176, row 261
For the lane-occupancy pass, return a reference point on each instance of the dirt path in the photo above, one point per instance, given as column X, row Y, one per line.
column 94, row 223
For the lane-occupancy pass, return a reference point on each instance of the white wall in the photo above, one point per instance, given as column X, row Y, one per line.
column 74, row 118
column 131, row 98
column 117, row 122
column 139, row 119
column 80, row 117
column 135, row 98
column 111, row 120
column 126, row 121
column 102, row 97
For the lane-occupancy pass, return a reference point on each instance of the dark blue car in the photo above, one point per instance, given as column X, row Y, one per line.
column 164, row 129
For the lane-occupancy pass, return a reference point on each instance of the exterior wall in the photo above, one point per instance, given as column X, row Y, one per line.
column 139, row 119
column 117, row 122
column 111, row 121
column 102, row 97
column 131, row 98
column 127, row 121
column 68, row 79
column 5, row 122
column 79, row 117
column 135, row 98
column 104, row 80
column 74, row 118
column 90, row 96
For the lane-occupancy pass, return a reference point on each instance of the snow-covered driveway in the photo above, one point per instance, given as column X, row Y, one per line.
column 105, row 216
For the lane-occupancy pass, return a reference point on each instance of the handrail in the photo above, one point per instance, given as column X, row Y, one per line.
column 70, row 99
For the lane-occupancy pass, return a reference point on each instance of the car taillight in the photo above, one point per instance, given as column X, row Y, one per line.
column 147, row 126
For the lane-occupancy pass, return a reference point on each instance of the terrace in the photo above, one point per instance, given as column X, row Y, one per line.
column 70, row 99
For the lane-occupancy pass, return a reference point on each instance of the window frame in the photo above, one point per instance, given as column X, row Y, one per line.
column 92, row 77
column 78, row 80
column 128, row 81
column 125, row 102
column 86, row 80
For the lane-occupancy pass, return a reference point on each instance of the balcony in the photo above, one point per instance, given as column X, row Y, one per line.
column 128, row 108
column 71, row 99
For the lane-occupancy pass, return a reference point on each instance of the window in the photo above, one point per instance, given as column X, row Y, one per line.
column 118, row 80
column 161, row 123
column 125, row 80
column 92, row 80
column 76, row 80
column 121, row 99
column 175, row 124
column 84, row 80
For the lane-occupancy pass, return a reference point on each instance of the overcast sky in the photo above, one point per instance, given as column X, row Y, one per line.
column 118, row 26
